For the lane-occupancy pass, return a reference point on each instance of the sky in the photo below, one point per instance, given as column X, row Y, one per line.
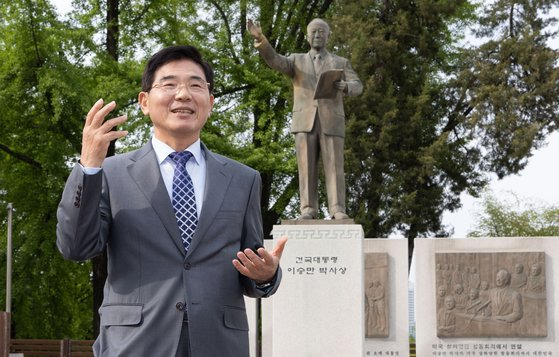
column 536, row 183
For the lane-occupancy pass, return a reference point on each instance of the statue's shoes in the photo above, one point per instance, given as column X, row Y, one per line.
column 340, row 215
column 307, row 215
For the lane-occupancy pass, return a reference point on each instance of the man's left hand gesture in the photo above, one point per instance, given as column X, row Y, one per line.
column 260, row 267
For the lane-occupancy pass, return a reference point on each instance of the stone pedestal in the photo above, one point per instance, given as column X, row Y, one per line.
column 511, row 309
column 318, row 310
column 251, row 305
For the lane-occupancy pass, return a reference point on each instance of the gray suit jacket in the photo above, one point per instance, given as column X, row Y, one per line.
column 299, row 66
column 151, row 280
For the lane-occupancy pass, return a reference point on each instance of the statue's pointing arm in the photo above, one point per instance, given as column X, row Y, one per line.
column 276, row 61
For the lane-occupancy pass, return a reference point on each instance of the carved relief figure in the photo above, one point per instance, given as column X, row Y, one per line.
column 376, row 295
column 484, row 290
column 441, row 293
column 466, row 279
column 457, row 276
column 475, row 279
column 369, row 307
column 446, row 320
column 377, row 312
column 439, row 274
column 506, row 303
column 447, row 276
column 460, row 298
column 536, row 281
column 519, row 277
column 477, row 305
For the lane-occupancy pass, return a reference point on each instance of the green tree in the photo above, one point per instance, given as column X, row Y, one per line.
column 503, row 218
column 41, row 95
column 437, row 116
column 56, row 69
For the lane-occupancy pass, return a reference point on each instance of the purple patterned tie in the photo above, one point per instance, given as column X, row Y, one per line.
column 184, row 201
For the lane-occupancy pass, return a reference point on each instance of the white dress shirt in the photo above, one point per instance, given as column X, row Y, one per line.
column 196, row 169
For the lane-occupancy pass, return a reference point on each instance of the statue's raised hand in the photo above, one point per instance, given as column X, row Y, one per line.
column 254, row 30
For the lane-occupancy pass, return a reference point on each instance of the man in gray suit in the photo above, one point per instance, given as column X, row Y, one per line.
column 318, row 124
column 168, row 292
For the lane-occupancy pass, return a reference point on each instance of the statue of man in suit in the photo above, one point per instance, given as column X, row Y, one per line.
column 318, row 124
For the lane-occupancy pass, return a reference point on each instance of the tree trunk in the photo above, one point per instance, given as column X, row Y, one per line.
column 99, row 263
column 112, row 29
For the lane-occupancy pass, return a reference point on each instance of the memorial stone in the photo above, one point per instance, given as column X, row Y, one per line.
column 506, row 306
column 386, row 261
column 319, row 310
column 486, row 295
column 376, row 295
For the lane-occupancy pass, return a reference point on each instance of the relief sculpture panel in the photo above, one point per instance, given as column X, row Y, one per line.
column 376, row 295
column 491, row 294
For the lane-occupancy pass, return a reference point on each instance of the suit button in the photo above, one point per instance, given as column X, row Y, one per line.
column 187, row 266
column 181, row 306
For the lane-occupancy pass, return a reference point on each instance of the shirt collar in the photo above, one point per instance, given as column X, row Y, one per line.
column 163, row 150
column 322, row 53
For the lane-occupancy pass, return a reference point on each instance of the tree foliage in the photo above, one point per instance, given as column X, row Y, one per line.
column 435, row 117
column 42, row 96
column 53, row 69
column 515, row 218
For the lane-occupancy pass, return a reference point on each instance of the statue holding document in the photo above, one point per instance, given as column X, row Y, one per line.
column 320, row 80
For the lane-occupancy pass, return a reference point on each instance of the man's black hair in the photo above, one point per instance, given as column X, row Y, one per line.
column 175, row 53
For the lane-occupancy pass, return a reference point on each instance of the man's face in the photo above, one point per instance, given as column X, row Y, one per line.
column 502, row 279
column 474, row 294
column 449, row 303
column 179, row 114
column 317, row 35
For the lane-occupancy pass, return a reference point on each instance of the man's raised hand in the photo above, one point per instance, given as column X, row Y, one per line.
column 98, row 133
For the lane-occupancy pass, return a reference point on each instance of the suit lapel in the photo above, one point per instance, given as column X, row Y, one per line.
column 328, row 62
column 217, row 183
column 145, row 171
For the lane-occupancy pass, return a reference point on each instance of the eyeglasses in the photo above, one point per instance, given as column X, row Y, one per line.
column 194, row 85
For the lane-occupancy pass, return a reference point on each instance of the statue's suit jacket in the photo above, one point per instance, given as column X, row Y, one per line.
column 299, row 67
column 151, row 280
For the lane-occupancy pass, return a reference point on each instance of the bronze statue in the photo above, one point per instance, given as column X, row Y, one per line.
column 320, row 81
